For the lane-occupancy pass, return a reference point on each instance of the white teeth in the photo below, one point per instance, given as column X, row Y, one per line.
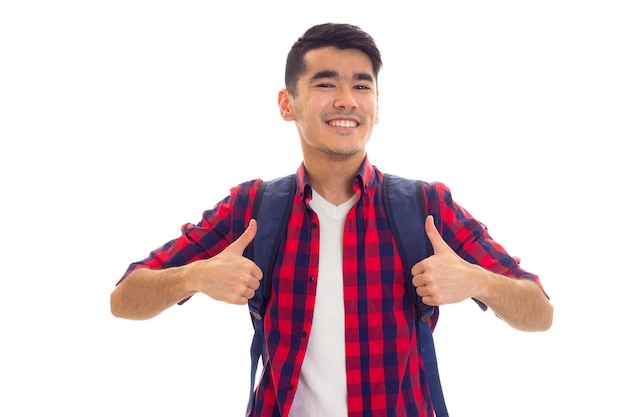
column 342, row 123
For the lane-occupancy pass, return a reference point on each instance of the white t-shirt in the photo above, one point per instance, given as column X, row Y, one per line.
column 322, row 388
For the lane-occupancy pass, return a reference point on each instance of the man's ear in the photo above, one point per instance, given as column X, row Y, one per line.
column 285, row 105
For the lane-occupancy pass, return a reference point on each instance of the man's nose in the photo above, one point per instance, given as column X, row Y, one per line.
column 345, row 99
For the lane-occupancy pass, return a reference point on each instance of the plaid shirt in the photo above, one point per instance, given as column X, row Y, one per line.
column 385, row 371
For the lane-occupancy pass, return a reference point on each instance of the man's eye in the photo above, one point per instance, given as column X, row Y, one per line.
column 362, row 87
column 325, row 85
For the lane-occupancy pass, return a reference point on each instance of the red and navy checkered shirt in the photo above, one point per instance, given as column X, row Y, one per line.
column 385, row 371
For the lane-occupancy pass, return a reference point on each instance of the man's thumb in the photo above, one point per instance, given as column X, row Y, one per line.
column 239, row 245
column 439, row 245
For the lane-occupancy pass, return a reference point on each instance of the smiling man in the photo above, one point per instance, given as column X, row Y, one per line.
column 340, row 334
column 334, row 104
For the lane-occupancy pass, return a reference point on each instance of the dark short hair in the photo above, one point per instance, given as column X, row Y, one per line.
column 338, row 35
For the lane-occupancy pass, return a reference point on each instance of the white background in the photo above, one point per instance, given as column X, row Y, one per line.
column 122, row 120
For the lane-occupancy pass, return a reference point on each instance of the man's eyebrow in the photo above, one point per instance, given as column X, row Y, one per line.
column 363, row 76
column 359, row 76
column 324, row 74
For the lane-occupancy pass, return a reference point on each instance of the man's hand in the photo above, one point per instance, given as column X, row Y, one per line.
column 444, row 277
column 229, row 276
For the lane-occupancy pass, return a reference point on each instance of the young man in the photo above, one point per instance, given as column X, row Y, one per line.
column 339, row 330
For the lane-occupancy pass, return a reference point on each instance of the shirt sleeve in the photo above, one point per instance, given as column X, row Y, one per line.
column 218, row 228
column 468, row 237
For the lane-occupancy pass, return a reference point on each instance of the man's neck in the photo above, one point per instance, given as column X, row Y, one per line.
column 332, row 179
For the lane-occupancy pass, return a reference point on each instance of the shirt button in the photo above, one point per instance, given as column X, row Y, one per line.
column 311, row 279
column 290, row 387
column 304, row 333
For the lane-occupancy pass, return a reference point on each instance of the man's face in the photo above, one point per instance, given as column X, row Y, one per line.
column 336, row 105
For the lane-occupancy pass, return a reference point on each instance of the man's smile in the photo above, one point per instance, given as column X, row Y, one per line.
column 343, row 123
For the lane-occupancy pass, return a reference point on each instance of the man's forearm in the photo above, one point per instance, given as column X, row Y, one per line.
column 520, row 303
column 145, row 293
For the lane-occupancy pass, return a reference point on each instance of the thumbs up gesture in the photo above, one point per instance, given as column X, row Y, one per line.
column 444, row 277
column 229, row 276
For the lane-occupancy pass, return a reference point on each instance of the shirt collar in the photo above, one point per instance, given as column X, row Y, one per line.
column 362, row 180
